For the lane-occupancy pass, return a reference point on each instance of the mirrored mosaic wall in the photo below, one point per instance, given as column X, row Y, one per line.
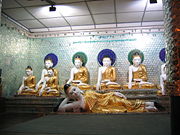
column 18, row 51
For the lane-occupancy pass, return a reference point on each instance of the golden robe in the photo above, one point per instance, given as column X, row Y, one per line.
column 30, row 81
column 110, row 103
column 109, row 74
column 53, row 84
column 82, row 75
column 141, row 73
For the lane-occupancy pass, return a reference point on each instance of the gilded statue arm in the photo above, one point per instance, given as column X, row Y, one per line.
column 33, row 82
column 113, row 75
column 55, row 83
column 85, row 77
column 144, row 75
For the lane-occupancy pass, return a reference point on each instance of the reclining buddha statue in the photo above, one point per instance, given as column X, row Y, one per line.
column 79, row 75
column 50, row 61
column 107, row 72
column 138, row 72
column 28, row 83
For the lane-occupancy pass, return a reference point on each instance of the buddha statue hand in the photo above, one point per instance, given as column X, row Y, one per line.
column 111, row 83
column 98, row 86
column 138, row 80
column 129, row 85
column 77, row 81
column 40, row 92
column 51, row 90
column 120, row 95
column 37, row 86
column 19, row 92
column 105, row 81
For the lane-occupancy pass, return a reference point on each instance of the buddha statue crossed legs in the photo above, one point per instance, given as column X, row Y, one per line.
column 79, row 75
column 28, row 83
column 107, row 73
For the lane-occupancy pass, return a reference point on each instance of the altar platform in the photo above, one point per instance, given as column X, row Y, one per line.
column 33, row 104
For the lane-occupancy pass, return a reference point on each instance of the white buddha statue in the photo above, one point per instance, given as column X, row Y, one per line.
column 48, row 63
column 28, row 83
column 138, row 74
column 79, row 75
column 163, row 78
column 50, row 85
column 107, row 76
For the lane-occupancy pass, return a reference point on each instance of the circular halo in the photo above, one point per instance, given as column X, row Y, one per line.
column 132, row 52
column 82, row 55
column 53, row 57
column 162, row 55
column 106, row 52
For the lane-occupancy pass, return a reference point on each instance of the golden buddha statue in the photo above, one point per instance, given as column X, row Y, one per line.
column 48, row 63
column 138, row 73
column 107, row 76
column 79, row 75
column 28, row 83
column 107, row 73
column 50, row 85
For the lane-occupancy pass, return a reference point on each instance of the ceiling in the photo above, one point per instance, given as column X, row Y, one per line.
column 34, row 15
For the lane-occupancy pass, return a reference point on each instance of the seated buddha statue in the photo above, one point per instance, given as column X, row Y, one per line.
column 107, row 76
column 28, row 83
column 48, row 63
column 106, row 72
column 50, row 84
column 138, row 73
column 79, row 75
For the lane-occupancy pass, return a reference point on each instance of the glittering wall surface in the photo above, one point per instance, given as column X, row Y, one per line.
column 18, row 51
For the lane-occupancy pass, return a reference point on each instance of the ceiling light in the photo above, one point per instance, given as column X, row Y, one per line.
column 153, row 1
column 52, row 8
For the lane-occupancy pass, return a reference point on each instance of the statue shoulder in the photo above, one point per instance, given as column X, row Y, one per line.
column 83, row 68
column 143, row 66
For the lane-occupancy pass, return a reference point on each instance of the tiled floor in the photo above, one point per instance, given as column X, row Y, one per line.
column 85, row 124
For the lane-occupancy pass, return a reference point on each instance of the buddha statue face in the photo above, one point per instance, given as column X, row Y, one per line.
column 78, row 63
column 136, row 60
column 29, row 72
column 50, row 72
column 106, row 62
column 48, row 64
column 74, row 92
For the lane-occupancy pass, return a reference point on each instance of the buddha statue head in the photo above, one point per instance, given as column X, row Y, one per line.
column 106, row 61
column 48, row 63
column 106, row 57
column 79, row 59
column 29, row 71
column 136, row 59
column 50, row 72
column 50, row 60
column 78, row 62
